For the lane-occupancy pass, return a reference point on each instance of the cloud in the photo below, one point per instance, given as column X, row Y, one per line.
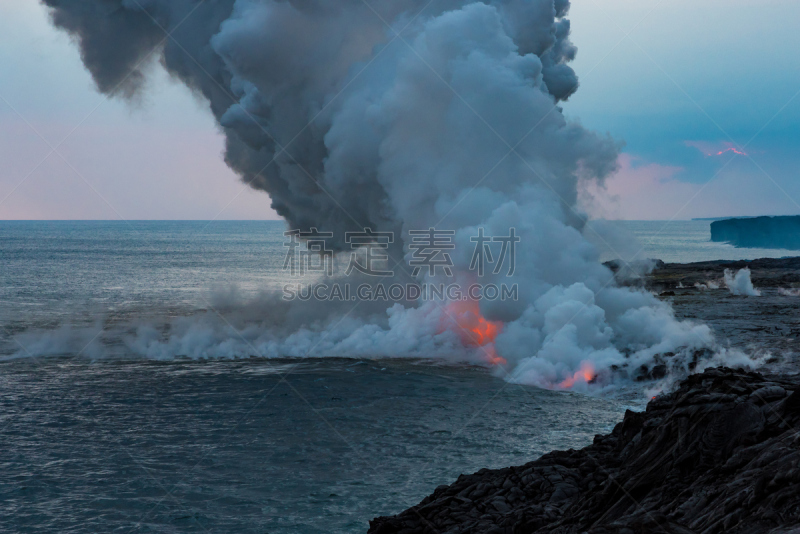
column 638, row 192
column 719, row 148
column 652, row 191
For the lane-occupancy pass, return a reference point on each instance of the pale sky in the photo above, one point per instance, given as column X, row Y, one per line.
column 676, row 82
column 692, row 79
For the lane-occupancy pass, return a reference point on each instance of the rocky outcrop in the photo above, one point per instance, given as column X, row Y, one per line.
column 720, row 454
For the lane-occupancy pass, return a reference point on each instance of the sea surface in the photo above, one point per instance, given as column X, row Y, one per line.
column 669, row 241
column 316, row 446
column 323, row 445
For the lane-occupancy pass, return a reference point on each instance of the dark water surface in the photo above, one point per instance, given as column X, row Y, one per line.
column 230, row 446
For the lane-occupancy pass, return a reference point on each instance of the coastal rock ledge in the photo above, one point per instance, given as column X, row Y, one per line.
column 719, row 454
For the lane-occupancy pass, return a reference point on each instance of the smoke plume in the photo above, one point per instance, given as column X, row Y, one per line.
column 401, row 115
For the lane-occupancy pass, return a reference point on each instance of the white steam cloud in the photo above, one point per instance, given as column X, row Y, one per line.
column 709, row 284
column 740, row 283
column 401, row 115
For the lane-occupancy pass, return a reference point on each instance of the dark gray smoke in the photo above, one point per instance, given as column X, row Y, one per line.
column 452, row 124
column 272, row 72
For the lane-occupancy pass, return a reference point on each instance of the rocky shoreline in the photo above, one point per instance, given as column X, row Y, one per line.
column 765, row 272
column 719, row 454
column 659, row 276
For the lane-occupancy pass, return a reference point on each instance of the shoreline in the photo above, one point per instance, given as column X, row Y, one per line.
column 765, row 272
column 719, row 454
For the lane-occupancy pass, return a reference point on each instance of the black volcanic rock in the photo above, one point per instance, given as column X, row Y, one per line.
column 765, row 272
column 720, row 454
column 759, row 232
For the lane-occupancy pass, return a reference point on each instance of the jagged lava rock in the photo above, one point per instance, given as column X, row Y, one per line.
column 719, row 454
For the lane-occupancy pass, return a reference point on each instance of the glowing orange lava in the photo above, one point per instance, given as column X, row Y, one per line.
column 475, row 331
column 584, row 374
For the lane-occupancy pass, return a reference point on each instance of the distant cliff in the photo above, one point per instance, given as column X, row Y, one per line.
column 759, row 232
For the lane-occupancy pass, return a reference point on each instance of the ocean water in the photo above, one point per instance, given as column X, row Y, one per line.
column 52, row 272
column 669, row 241
column 317, row 446
column 126, row 444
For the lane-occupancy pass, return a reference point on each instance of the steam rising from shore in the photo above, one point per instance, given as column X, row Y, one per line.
column 740, row 283
column 403, row 115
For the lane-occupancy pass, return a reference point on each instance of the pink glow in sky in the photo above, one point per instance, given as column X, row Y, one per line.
column 716, row 149
column 642, row 191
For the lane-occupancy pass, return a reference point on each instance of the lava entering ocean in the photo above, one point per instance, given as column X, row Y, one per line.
column 475, row 330
column 584, row 374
